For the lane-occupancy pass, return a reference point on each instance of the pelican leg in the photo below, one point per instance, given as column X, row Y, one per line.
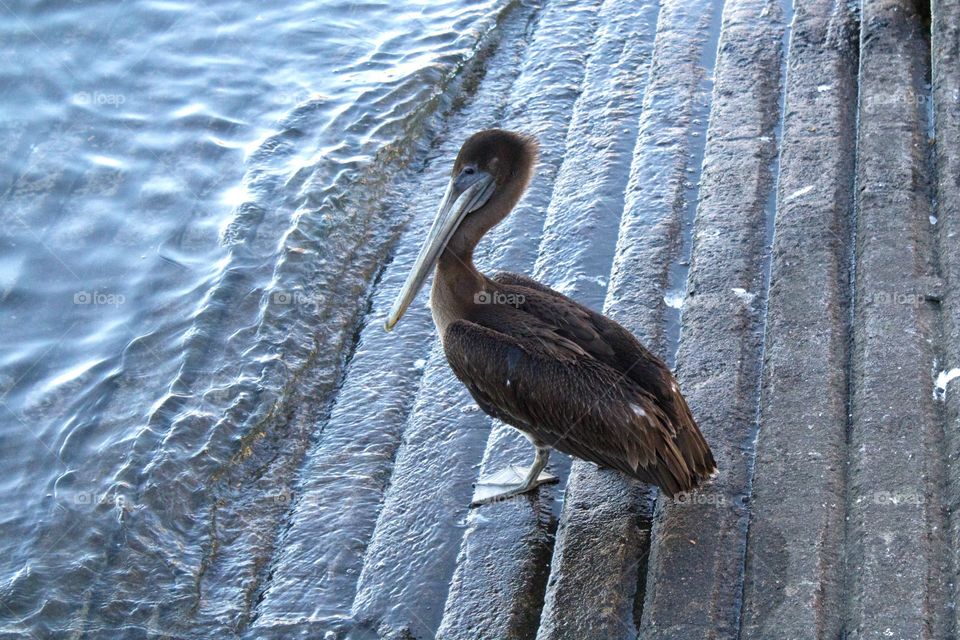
column 514, row 481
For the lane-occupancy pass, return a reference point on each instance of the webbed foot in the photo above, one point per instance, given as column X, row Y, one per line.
column 513, row 481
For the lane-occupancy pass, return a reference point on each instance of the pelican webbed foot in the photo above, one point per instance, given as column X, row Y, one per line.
column 513, row 481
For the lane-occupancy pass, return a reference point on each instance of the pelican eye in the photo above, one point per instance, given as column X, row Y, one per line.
column 469, row 171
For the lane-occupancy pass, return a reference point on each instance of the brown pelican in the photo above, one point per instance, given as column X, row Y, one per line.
column 567, row 377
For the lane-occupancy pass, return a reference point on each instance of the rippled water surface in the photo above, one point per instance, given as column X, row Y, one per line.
column 196, row 198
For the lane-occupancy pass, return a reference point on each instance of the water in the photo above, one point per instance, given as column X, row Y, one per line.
column 197, row 198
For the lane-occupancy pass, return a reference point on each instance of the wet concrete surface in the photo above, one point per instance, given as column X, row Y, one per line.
column 696, row 558
column 897, row 522
column 766, row 194
column 945, row 112
column 798, row 486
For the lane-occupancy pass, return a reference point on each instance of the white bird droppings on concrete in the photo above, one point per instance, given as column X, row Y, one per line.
column 943, row 379
column 744, row 295
column 800, row 192
column 673, row 299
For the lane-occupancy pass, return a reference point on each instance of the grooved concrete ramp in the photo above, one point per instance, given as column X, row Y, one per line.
column 768, row 195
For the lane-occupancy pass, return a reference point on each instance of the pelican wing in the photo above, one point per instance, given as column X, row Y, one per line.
column 603, row 338
column 566, row 317
column 610, row 343
column 566, row 399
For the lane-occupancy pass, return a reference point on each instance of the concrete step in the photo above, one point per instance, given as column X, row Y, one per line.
column 896, row 543
column 794, row 580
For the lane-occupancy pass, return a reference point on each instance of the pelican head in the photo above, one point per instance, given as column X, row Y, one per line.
column 489, row 175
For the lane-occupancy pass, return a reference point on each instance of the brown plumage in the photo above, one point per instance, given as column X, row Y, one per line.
column 568, row 377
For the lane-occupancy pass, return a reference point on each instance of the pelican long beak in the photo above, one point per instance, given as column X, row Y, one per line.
column 465, row 193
